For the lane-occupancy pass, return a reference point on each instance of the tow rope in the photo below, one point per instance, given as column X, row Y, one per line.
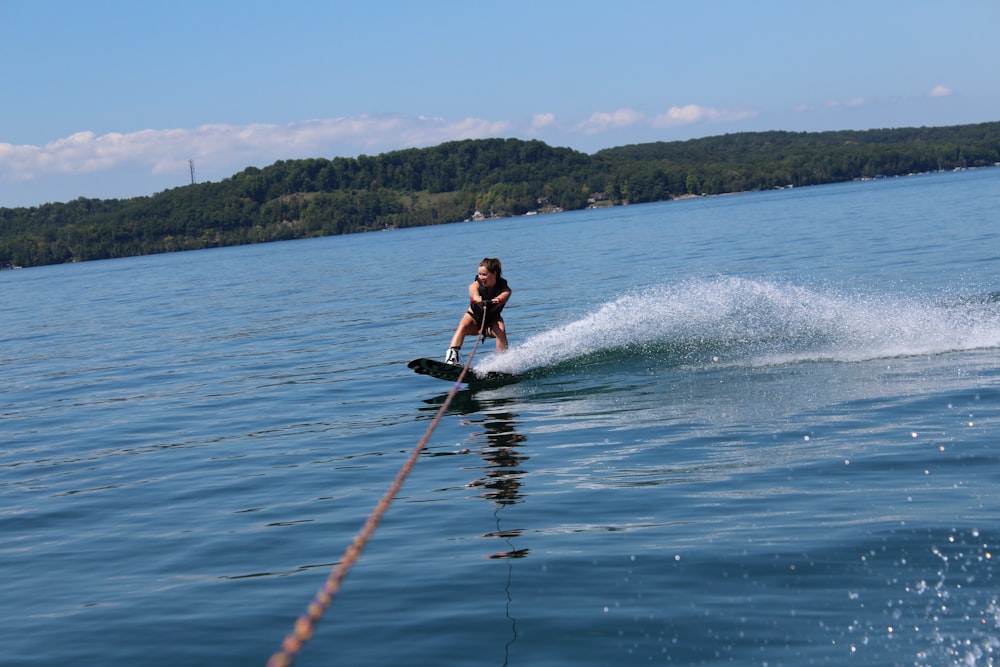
column 305, row 625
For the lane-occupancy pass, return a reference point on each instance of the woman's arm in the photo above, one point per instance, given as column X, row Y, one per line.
column 503, row 297
column 474, row 292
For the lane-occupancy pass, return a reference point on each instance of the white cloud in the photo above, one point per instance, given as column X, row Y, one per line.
column 853, row 102
column 601, row 121
column 221, row 149
column 694, row 113
column 430, row 134
column 234, row 146
column 941, row 91
column 540, row 120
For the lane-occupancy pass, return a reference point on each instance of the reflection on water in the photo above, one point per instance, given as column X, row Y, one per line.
column 502, row 456
column 499, row 445
column 495, row 435
column 501, row 484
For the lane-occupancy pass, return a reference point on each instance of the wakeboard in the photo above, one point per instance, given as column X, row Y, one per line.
column 450, row 372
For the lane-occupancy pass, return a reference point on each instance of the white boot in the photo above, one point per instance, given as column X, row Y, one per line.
column 452, row 357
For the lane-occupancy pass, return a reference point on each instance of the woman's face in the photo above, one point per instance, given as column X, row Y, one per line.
column 486, row 279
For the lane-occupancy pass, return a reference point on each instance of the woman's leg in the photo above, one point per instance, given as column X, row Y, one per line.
column 466, row 327
column 501, row 334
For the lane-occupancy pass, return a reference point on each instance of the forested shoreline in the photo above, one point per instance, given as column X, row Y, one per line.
column 461, row 179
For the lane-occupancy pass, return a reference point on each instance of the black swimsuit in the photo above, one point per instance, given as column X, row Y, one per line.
column 492, row 310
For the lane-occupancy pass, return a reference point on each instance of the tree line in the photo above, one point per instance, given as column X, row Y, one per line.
column 447, row 183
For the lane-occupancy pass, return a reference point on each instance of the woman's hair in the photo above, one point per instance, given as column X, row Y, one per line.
column 492, row 265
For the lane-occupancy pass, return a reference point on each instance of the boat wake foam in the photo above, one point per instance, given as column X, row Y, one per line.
column 744, row 322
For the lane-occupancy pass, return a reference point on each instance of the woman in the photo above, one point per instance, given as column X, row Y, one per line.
column 488, row 294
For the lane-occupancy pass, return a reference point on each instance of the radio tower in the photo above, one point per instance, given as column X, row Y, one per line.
column 191, row 165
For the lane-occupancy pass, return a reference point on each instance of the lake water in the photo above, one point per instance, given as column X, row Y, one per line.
column 761, row 429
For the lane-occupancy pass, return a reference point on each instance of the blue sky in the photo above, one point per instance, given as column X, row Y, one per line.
column 112, row 98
